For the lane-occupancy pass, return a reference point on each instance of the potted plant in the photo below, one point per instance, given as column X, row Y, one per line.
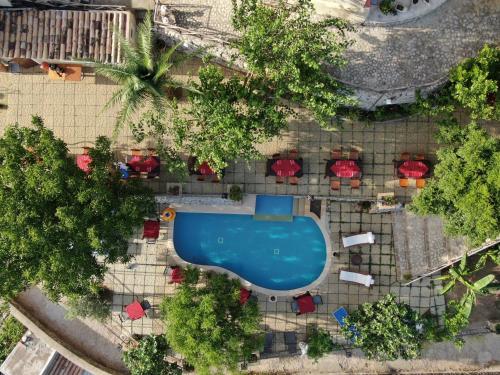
column 174, row 189
column 386, row 202
column 388, row 7
column 235, row 193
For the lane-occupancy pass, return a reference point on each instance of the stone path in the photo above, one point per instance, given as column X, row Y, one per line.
column 413, row 54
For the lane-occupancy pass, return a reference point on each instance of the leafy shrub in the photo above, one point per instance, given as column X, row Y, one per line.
column 319, row 343
column 93, row 305
column 235, row 193
column 388, row 7
column 11, row 332
column 386, row 330
column 148, row 358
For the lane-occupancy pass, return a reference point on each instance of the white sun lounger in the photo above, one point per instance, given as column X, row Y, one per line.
column 358, row 239
column 359, row 278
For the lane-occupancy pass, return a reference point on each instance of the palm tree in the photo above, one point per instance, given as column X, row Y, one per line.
column 143, row 74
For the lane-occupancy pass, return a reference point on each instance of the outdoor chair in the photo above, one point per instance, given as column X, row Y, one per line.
column 136, row 152
column 358, row 239
column 123, row 316
column 353, row 154
column 215, row 179
column 358, row 278
column 145, row 304
column 294, row 180
column 355, row 183
column 317, row 300
column 151, row 152
column 420, row 157
column 420, row 183
column 335, row 184
column 336, row 154
column 293, row 154
column 404, row 182
column 295, row 307
column 280, row 179
column 200, row 178
column 276, row 156
column 405, row 156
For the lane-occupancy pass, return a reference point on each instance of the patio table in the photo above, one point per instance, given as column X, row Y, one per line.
column 135, row 310
column 150, row 165
column 305, row 303
column 413, row 169
column 151, row 229
column 345, row 168
column 83, row 161
column 286, row 167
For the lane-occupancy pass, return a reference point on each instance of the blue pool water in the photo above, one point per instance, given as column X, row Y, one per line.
column 275, row 205
column 270, row 254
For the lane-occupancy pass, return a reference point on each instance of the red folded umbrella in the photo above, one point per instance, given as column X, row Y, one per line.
column 151, row 229
column 150, row 164
column 205, row 169
column 83, row 161
column 244, row 295
column 285, row 167
column 306, row 304
column 413, row 168
column 135, row 310
column 135, row 163
column 177, row 276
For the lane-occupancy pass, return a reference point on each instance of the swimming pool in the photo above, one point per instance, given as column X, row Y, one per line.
column 274, row 255
column 274, row 205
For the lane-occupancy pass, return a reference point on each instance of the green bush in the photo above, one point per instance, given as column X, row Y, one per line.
column 235, row 193
column 388, row 7
column 319, row 343
column 93, row 305
column 11, row 332
column 148, row 358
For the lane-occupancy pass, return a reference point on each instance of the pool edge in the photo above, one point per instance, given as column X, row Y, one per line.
column 248, row 284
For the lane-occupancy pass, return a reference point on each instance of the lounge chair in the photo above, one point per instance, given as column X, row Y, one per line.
column 268, row 343
column 358, row 278
column 291, row 342
column 340, row 314
column 358, row 239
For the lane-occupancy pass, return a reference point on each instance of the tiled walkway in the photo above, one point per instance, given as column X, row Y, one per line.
column 73, row 111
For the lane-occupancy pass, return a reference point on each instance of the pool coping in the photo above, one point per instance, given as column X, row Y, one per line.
column 248, row 284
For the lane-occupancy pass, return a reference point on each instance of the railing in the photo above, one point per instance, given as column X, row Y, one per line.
column 76, row 4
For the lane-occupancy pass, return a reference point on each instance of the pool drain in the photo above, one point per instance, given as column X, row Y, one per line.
column 220, row 240
column 276, row 251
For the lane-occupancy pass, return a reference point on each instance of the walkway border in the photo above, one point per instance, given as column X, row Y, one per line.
column 53, row 340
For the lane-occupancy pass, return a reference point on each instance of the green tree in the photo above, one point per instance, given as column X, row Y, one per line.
column 11, row 332
column 319, row 343
column 465, row 188
column 475, row 84
column 386, row 330
column 95, row 305
column 285, row 47
column 209, row 327
column 55, row 219
column 143, row 75
column 227, row 118
column 148, row 358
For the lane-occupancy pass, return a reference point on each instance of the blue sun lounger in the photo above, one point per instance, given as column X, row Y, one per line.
column 340, row 314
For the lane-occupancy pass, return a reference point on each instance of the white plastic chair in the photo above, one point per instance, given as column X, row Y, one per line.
column 358, row 239
column 359, row 278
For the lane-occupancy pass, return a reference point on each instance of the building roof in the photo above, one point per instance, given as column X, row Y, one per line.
column 63, row 35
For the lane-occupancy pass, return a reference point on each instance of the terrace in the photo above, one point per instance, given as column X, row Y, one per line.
column 73, row 111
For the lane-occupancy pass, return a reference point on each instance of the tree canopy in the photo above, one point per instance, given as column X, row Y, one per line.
column 283, row 45
column 55, row 219
column 147, row 358
column 385, row 330
column 227, row 118
column 465, row 189
column 208, row 325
